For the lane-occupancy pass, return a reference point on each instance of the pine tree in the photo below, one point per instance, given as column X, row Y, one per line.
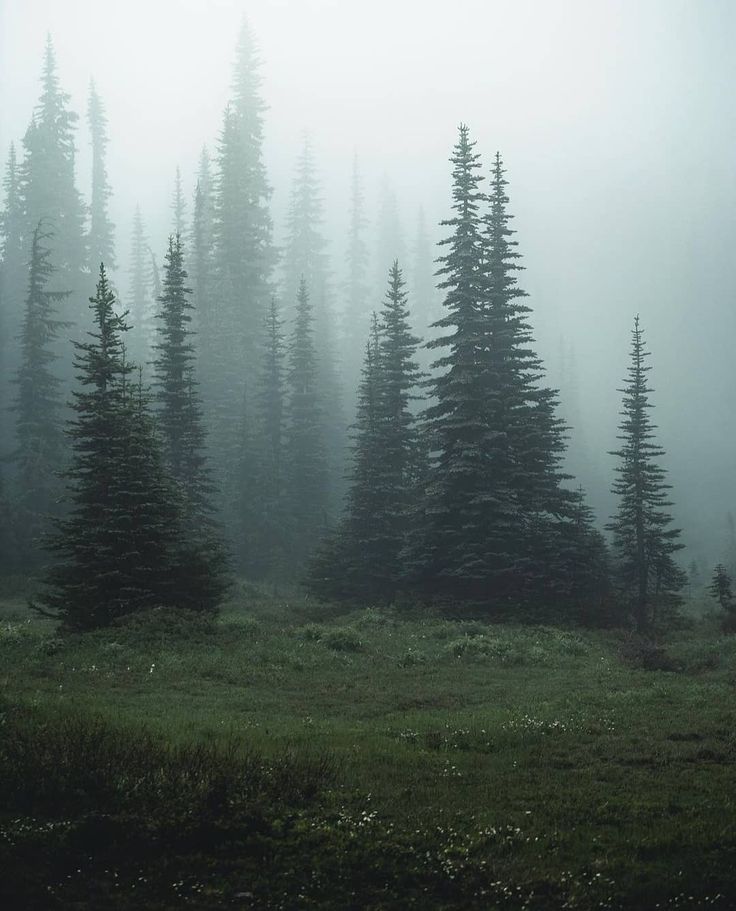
column 465, row 548
column 305, row 445
column 13, row 285
column 140, row 305
column 100, row 239
column 305, row 259
column 178, row 206
column 390, row 244
column 40, row 452
column 643, row 538
column 179, row 412
column 123, row 546
column 720, row 588
column 201, row 258
column 366, row 557
column 48, row 187
column 356, row 315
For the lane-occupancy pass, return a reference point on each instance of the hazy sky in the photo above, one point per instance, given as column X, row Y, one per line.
column 615, row 118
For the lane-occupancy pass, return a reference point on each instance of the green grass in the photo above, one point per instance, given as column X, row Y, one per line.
column 289, row 756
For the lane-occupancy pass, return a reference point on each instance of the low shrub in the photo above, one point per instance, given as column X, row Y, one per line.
column 343, row 639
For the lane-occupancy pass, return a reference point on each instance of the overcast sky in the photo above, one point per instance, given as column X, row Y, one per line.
column 615, row 118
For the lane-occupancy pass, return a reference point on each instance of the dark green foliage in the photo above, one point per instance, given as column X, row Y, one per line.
column 305, row 444
column 40, row 450
column 720, row 588
column 100, row 238
column 643, row 538
column 123, row 546
column 365, row 558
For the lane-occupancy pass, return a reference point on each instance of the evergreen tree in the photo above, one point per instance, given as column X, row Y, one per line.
column 123, row 546
column 584, row 580
column 367, row 556
column 178, row 205
column 305, row 259
column 305, row 445
column 356, row 314
column 201, row 257
column 48, row 187
column 13, row 285
column 465, row 547
column 40, row 451
column 390, row 244
column 425, row 309
column 274, row 526
column 100, row 240
column 720, row 588
column 179, row 412
column 140, row 305
column 643, row 538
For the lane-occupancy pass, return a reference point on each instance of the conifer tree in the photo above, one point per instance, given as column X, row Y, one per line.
column 366, row 557
column 305, row 444
column 643, row 537
column 720, row 588
column 48, row 186
column 356, row 315
column 201, row 256
column 178, row 206
column 179, row 412
column 464, row 549
column 100, row 239
column 123, row 546
column 425, row 310
column 40, row 452
column 390, row 243
column 140, row 305
column 13, row 286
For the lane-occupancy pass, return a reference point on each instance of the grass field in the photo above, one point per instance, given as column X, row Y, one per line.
column 293, row 757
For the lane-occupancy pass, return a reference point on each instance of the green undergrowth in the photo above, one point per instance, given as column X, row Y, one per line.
column 290, row 755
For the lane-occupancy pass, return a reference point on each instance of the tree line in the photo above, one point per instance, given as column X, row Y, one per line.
column 201, row 425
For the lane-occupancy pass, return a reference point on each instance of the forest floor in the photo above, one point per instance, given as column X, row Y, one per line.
column 292, row 757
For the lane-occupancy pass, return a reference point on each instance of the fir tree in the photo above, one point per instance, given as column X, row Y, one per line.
column 13, row 285
column 140, row 305
column 179, row 412
column 390, row 244
column 48, row 185
column 643, row 538
column 307, row 468
column 123, row 546
column 425, row 306
column 356, row 314
column 720, row 588
column 178, row 206
column 366, row 558
column 40, row 451
column 100, row 239
column 201, row 256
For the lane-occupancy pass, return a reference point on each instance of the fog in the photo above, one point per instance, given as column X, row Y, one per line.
column 615, row 120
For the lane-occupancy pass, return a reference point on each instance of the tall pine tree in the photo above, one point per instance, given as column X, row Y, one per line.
column 100, row 239
column 643, row 537
column 40, row 452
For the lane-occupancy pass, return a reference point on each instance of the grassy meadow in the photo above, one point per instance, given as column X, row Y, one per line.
column 292, row 756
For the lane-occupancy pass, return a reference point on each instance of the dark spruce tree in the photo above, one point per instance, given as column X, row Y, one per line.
column 307, row 484
column 179, row 413
column 643, row 537
column 365, row 558
column 40, row 451
column 123, row 546
column 464, row 548
column 100, row 239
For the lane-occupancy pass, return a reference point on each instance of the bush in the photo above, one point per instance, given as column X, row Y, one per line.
column 645, row 655
column 728, row 623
